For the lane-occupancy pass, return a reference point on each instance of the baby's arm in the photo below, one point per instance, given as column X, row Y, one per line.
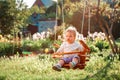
column 76, row 50
column 61, row 48
column 59, row 52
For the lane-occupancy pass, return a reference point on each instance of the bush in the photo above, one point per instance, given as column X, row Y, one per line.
column 93, row 48
column 47, row 43
column 118, row 42
column 30, row 45
column 102, row 44
column 7, row 48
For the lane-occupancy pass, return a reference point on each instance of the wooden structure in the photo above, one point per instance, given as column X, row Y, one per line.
column 33, row 29
column 83, row 56
column 38, row 3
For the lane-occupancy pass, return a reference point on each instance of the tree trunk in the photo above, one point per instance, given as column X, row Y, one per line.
column 105, row 28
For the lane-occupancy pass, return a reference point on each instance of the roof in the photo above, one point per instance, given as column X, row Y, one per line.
column 43, row 3
column 39, row 3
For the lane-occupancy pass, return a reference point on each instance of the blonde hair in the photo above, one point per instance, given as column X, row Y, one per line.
column 71, row 29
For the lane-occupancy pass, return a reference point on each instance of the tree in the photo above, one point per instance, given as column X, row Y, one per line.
column 7, row 16
column 14, row 15
column 55, row 9
column 107, row 29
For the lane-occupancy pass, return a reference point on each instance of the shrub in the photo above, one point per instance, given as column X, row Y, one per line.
column 93, row 48
column 47, row 43
column 102, row 44
column 30, row 45
column 118, row 42
column 7, row 48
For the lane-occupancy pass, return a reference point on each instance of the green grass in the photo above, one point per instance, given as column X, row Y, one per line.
column 40, row 68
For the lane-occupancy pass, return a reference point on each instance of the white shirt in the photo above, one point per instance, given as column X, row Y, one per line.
column 66, row 47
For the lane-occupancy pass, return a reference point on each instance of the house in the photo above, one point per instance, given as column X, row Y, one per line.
column 38, row 21
column 41, row 3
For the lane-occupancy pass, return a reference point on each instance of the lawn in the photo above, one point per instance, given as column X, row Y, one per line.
column 39, row 67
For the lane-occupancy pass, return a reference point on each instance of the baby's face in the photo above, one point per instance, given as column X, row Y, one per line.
column 70, row 37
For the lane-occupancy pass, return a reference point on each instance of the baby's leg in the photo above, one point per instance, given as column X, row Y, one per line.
column 59, row 65
column 75, row 60
column 61, row 62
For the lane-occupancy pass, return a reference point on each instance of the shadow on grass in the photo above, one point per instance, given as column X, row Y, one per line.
column 2, row 77
column 102, row 74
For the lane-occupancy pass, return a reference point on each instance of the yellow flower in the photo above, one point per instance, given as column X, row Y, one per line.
column 46, row 50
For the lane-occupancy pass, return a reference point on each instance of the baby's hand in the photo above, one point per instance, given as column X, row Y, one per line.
column 76, row 50
column 56, row 55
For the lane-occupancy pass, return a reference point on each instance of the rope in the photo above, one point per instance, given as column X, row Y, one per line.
column 56, row 21
column 83, row 19
column 89, row 21
column 63, row 20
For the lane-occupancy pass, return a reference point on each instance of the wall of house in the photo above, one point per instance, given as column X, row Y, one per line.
column 32, row 29
column 45, row 25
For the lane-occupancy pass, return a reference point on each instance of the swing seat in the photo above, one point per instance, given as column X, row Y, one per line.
column 80, row 65
column 83, row 57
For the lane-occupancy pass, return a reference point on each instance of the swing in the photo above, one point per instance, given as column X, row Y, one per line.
column 83, row 56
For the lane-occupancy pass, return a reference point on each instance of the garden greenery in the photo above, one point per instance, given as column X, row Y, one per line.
column 40, row 68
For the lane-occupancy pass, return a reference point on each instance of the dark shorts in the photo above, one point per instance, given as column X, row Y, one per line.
column 70, row 58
